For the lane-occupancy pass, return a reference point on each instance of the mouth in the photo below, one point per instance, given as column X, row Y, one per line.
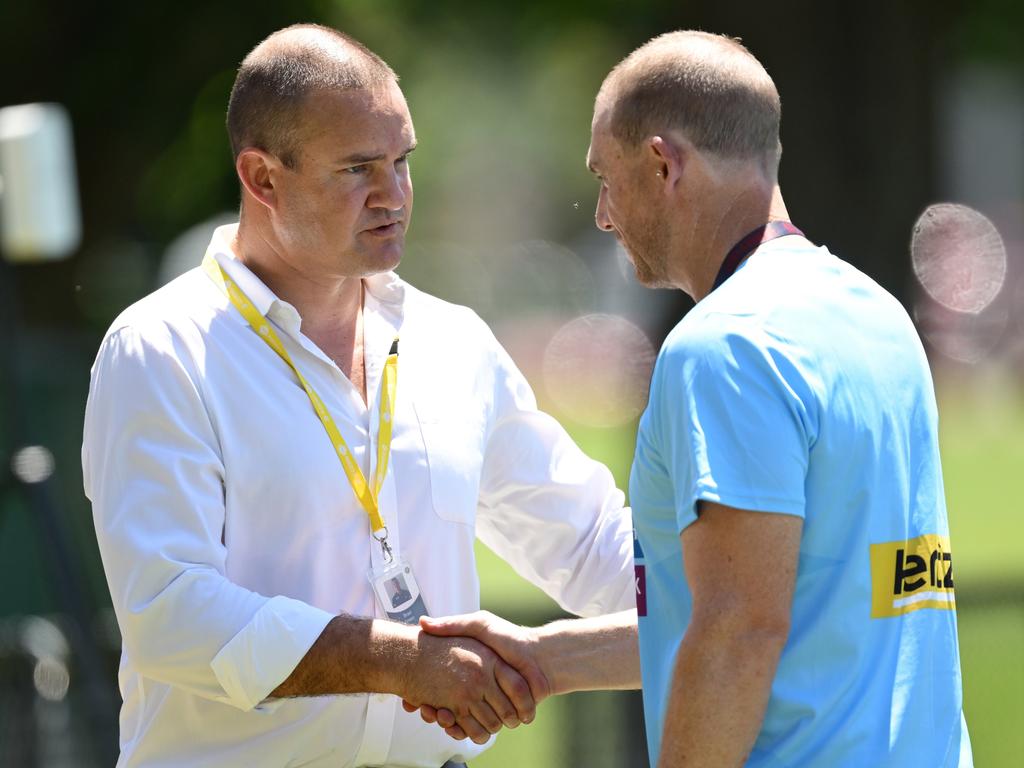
column 386, row 230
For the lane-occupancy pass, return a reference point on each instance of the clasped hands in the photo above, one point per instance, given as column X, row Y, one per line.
column 478, row 673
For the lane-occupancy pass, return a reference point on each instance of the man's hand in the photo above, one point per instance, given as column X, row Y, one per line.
column 516, row 645
column 467, row 681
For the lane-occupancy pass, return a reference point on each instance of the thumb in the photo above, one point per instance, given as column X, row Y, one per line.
column 470, row 624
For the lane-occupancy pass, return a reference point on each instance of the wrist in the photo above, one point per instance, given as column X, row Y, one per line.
column 394, row 655
column 545, row 643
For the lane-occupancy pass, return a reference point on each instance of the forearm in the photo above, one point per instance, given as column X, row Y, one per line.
column 720, row 689
column 354, row 655
column 598, row 653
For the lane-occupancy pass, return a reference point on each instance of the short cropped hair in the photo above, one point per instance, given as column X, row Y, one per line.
column 709, row 87
column 264, row 110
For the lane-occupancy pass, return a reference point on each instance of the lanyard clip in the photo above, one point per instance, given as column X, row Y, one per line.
column 385, row 548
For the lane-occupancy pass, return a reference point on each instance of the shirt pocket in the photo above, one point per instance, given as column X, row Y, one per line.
column 453, row 438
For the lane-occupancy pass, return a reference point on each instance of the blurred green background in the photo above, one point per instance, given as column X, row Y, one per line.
column 888, row 107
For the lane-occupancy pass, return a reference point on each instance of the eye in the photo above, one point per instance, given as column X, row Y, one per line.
column 356, row 170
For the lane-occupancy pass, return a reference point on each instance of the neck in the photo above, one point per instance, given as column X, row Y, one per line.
column 322, row 301
column 330, row 307
column 742, row 213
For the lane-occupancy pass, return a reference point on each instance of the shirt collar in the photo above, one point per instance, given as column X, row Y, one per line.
column 220, row 248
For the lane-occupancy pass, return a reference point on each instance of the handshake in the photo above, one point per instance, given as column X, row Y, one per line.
column 476, row 673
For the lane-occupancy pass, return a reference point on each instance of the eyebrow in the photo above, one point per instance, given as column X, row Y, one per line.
column 359, row 158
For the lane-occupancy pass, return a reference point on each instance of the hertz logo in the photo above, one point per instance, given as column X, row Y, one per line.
column 909, row 575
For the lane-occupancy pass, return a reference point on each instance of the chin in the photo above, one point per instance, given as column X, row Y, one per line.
column 385, row 260
column 644, row 268
column 650, row 280
column 377, row 253
column 644, row 275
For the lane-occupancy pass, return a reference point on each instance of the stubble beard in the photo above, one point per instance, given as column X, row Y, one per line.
column 648, row 249
column 368, row 259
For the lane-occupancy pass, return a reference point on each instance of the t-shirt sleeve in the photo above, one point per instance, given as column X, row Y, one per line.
column 744, row 421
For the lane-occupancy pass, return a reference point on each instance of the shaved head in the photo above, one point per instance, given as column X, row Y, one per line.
column 265, row 109
column 708, row 87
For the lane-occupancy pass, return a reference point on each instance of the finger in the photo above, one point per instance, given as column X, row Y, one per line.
column 539, row 687
column 469, row 624
column 485, row 714
column 428, row 714
column 499, row 700
column 456, row 733
column 473, row 729
column 518, row 692
column 445, row 718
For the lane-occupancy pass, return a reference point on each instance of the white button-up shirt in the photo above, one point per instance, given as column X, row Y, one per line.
column 230, row 535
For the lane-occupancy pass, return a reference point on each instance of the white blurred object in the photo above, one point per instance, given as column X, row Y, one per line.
column 39, row 215
column 187, row 249
column 958, row 257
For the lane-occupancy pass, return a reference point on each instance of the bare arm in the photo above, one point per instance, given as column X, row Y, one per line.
column 372, row 655
column 741, row 568
column 599, row 653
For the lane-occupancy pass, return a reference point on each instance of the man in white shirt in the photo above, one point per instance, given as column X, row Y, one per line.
column 260, row 462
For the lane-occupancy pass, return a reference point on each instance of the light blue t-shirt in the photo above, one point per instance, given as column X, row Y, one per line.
column 800, row 387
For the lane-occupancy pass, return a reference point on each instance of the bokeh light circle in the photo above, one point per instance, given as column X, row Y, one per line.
column 597, row 370
column 32, row 464
column 51, row 678
column 958, row 257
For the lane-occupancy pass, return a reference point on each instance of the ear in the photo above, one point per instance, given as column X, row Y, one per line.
column 256, row 170
column 667, row 159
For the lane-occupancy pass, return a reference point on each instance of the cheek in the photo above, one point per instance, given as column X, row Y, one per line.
column 622, row 212
column 342, row 206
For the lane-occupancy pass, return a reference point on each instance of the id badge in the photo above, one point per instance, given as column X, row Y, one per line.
column 397, row 592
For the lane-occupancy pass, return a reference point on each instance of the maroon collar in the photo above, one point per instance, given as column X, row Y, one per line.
column 749, row 244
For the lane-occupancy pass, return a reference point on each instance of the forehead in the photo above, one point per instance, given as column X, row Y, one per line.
column 604, row 149
column 370, row 118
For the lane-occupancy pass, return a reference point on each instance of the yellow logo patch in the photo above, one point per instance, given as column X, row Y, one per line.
column 909, row 575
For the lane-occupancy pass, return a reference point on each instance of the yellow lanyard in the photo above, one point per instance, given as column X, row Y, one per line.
column 263, row 328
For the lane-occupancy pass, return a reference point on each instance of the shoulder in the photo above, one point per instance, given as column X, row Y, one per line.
column 740, row 361
column 168, row 321
column 709, row 337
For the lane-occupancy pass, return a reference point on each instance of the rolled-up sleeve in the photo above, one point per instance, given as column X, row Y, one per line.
column 153, row 470
column 549, row 510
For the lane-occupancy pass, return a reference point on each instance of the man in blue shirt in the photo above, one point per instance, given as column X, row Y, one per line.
column 786, row 488
column 796, row 604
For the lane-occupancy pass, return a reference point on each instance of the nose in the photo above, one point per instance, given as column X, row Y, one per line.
column 393, row 189
column 601, row 218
